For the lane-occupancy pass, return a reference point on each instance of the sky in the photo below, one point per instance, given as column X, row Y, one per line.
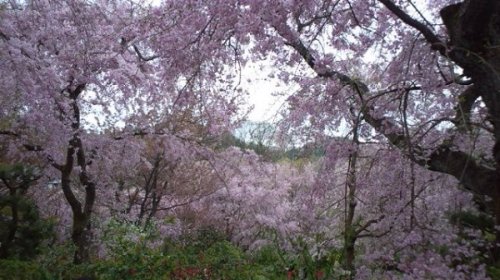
column 261, row 91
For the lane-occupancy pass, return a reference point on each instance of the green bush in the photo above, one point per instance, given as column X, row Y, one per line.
column 30, row 230
column 204, row 254
column 129, row 254
column 57, row 260
column 493, row 272
column 22, row 230
column 21, row 270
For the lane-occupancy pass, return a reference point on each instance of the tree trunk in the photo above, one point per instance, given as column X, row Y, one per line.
column 81, row 237
column 350, row 234
column 75, row 154
column 349, row 230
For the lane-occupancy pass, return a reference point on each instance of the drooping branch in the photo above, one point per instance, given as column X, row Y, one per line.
column 3, row 36
column 32, row 148
column 444, row 159
column 476, row 178
column 326, row 12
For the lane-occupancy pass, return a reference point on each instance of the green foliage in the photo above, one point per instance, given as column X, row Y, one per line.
column 225, row 261
column 21, row 270
column 309, row 264
column 22, row 230
column 129, row 253
column 271, row 262
column 203, row 238
column 30, row 230
column 493, row 272
column 135, row 264
column 204, row 254
column 207, row 253
column 17, row 176
column 57, row 260
column 469, row 219
column 305, row 263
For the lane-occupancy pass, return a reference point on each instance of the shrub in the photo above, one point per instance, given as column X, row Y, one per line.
column 22, row 230
column 22, row 270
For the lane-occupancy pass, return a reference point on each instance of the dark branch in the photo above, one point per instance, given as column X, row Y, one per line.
column 435, row 42
column 325, row 73
column 368, row 224
column 66, row 171
column 476, row 178
column 144, row 58
column 9, row 133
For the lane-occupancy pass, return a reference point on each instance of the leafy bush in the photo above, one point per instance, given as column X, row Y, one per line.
column 494, row 272
column 205, row 254
column 21, row 270
column 130, row 255
column 57, row 260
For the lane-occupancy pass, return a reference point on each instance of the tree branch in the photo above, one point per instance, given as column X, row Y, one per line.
column 435, row 42
column 476, row 178
column 368, row 224
column 144, row 58
column 8, row 133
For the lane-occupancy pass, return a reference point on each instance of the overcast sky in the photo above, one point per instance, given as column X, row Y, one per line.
column 261, row 89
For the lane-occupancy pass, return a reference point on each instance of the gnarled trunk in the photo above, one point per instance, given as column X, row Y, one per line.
column 82, row 213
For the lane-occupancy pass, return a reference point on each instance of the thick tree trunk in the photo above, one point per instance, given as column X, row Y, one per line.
column 474, row 29
column 81, row 237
